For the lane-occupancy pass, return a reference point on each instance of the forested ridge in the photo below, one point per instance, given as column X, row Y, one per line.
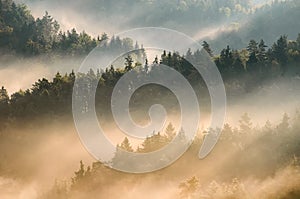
column 249, row 161
column 28, row 36
column 264, row 150
column 242, row 70
column 22, row 34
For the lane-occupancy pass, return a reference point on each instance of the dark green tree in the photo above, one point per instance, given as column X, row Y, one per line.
column 128, row 63
column 280, row 52
column 225, row 62
column 252, row 63
column 156, row 60
column 146, row 66
column 238, row 67
column 46, row 32
column 207, row 48
column 4, row 98
column 4, row 108
column 262, row 52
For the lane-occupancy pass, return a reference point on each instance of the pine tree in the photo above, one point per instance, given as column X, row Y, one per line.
column 280, row 52
column 79, row 175
column 253, row 51
column 4, row 98
column 126, row 146
column 225, row 62
column 103, row 37
column 227, row 132
column 238, row 67
column 207, row 48
column 146, row 67
column 128, row 63
column 170, row 132
column 262, row 53
column 4, row 108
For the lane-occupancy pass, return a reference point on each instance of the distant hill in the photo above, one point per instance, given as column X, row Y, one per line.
column 234, row 22
column 220, row 22
column 268, row 22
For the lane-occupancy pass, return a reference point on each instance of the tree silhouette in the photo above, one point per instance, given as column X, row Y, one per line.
column 170, row 132
column 280, row 52
column 125, row 145
column 207, row 48
column 189, row 187
column 128, row 63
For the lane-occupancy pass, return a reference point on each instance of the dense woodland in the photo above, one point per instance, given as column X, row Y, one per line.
column 24, row 35
column 242, row 71
column 264, row 149
column 28, row 36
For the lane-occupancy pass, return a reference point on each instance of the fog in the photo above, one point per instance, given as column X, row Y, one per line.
column 112, row 17
column 32, row 163
column 281, row 184
column 267, row 102
column 98, row 16
column 40, row 157
column 20, row 73
column 282, row 93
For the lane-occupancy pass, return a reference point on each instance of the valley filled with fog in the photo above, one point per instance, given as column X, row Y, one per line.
column 254, row 45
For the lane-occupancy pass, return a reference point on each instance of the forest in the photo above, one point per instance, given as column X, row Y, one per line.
column 256, row 157
column 242, row 71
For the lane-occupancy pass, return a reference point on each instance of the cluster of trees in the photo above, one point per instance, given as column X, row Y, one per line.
column 54, row 97
column 255, row 144
column 259, row 59
column 22, row 34
column 250, row 66
column 266, row 21
column 152, row 143
column 4, row 107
